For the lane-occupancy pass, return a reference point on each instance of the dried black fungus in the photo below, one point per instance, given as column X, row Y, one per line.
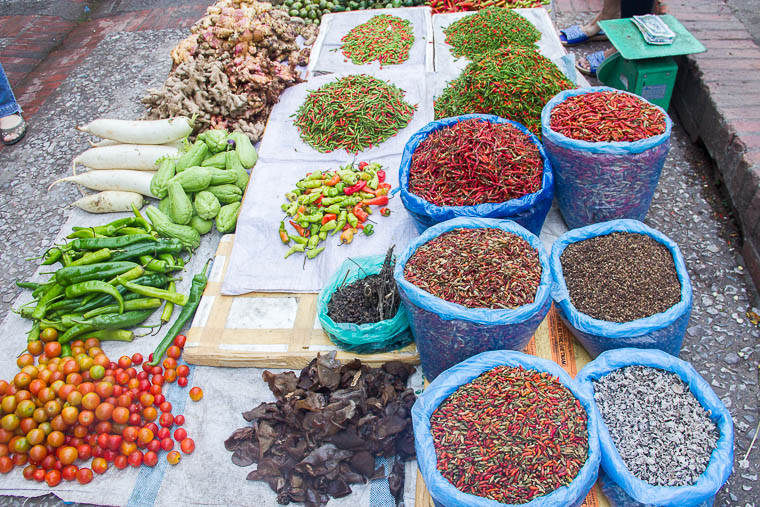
column 326, row 428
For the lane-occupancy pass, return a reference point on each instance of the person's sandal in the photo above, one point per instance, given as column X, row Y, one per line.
column 594, row 61
column 19, row 130
column 574, row 35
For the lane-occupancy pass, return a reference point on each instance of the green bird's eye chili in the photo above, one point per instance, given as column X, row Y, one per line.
column 607, row 117
column 490, row 29
column 514, row 82
column 477, row 268
column 384, row 38
column 474, row 162
column 354, row 112
column 510, row 435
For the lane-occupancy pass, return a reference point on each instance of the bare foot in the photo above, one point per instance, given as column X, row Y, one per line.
column 660, row 7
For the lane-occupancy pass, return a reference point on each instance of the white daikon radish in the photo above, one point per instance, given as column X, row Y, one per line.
column 140, row 131
column 179, row 143
column 118, row 179
column 109, row 201
column 140, row 157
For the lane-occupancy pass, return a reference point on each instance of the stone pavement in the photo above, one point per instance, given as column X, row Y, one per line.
column 69, row 65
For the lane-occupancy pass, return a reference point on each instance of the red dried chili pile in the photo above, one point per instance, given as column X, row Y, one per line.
column 477, row 268
column 510, row 435
column 607, row 117
column 475, row 162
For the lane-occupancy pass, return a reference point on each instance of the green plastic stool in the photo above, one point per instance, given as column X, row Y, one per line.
column 645, row 69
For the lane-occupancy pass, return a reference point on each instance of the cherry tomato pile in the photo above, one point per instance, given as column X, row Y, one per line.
column 58, row 412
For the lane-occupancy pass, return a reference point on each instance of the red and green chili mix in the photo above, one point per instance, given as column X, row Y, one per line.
column 477, row 268
column 510, row 435
column 354, row 112
column 607, row 116
column 475, row 162
column 490, row 29
column 384, row 38
column 514, row 82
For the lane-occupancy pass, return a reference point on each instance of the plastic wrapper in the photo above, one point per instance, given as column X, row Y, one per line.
column 605, row 180
column 631, row 491
column 529, row 210
column 389, row 334
column 445, row 332
column 443, row 492
column 664, row 331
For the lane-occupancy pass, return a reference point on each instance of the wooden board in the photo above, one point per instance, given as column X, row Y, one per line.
column 553, row 341
column 261, row 329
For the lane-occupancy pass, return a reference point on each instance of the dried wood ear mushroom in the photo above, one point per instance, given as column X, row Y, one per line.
column 326, row 428
column 233, row 66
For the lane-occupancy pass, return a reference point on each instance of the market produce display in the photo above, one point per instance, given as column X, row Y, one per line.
column 354, row 113
column 312, row 10
column 474, row 162
column 491, row 28
column 326, row 428
column 71, row 403
column 620, row 277
column 511, row 435
column 370, row 299
column 203, row 187
column 332, row 202
column 384, row 38
column 513, row 82
column 232, row 68
column 445, row 6
column 477, row 268
column 607, row 116
column 663, row 434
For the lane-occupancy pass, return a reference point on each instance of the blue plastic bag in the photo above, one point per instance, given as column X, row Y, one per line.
column 664, row 331
column 603, row 181
column 529, row 210
column 442, row 491
column 721, row 461
column 445, row 332
column 389, row 334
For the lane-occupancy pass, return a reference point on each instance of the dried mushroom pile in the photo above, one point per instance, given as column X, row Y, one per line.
column 325, row 429
column 231, row 70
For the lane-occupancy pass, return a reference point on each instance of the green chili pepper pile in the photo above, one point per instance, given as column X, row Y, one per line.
column 513, row 82
column 354, row 112
column 331, row 202
column 490, row 29
column 384, row 38
column 112, row 277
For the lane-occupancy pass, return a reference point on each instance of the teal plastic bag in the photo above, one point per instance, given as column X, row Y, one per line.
column 389, row 334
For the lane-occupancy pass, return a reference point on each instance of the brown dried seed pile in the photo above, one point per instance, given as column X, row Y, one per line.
column 620, row 277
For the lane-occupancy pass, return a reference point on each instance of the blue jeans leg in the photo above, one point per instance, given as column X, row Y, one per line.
column 8, row 104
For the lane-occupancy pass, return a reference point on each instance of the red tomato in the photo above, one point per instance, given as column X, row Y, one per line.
column 158, row 400
column 187, row 446
column 135, row 459
column 155, row 389
column 39, row 474
column 69, row 472
column 174, row 352
column 99, row 465
column 120, row 462
column 84, row 451
column 84, row 476
column 158, row 379
column 183, row 370
column 29, row 472
column 130, row 433
column 150, row 459
column 163, row 433
column 182, row 381
column 53, row 477
column 6, row 464
column 154, row 445
column 114, row 441
column 180, row 340
column 167, row 444
column 166, row 420
column 143, row 375
column 180, row 434
column 179, row 420
column 196, row 393
column 137, row 358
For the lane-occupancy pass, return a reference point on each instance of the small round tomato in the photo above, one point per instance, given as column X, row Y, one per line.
column 84, row 451
column 86, row 417
column 155, row 389
column 114, row 441
column 166, row 420
column 154, row 445
column 180, row 340
column 53, row 478
column 163, row 433
column 103, row 427
column 182, row 381
column 84, row 476
column 147, row 400
column 34, row 347
column 173, row 352
column 173, row 457
column 120, row 462
column 158, row 379
column 38, row 453
column 170, row 363
column 144, row 435
column 183, row 370
column 196, row 393
column 6, row 464
column 170, row 375
column 152, row 427
column 120, row 415
column 69, row 472
column 39, row 475
column 150, row 459
column 99, row 465
column 29, row 472
column 137, row 359
column 49, row 334
column 104, row 411
column 67, row 455
column 20, row 460
column 180, row 434
column 130, row 433
column 158, row 400
column 90, row 401
column 125, row 362
column 150, row 413
column 167, row 444
column 135, row 459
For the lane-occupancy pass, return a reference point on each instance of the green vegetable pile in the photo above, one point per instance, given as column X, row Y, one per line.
column 514, row 82
column 384, row 38
column 313, row 10
column 112, row 277
column 203, row 187
column 333, row 201
column 490, row 29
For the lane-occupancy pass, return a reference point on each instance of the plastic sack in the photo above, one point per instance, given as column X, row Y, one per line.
column 604, row 180
column 442, row 491
column 618, row 498
column 638, row 492
column 445, row 332
column 529, row 210
column 664, row 331
column 389, row 334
